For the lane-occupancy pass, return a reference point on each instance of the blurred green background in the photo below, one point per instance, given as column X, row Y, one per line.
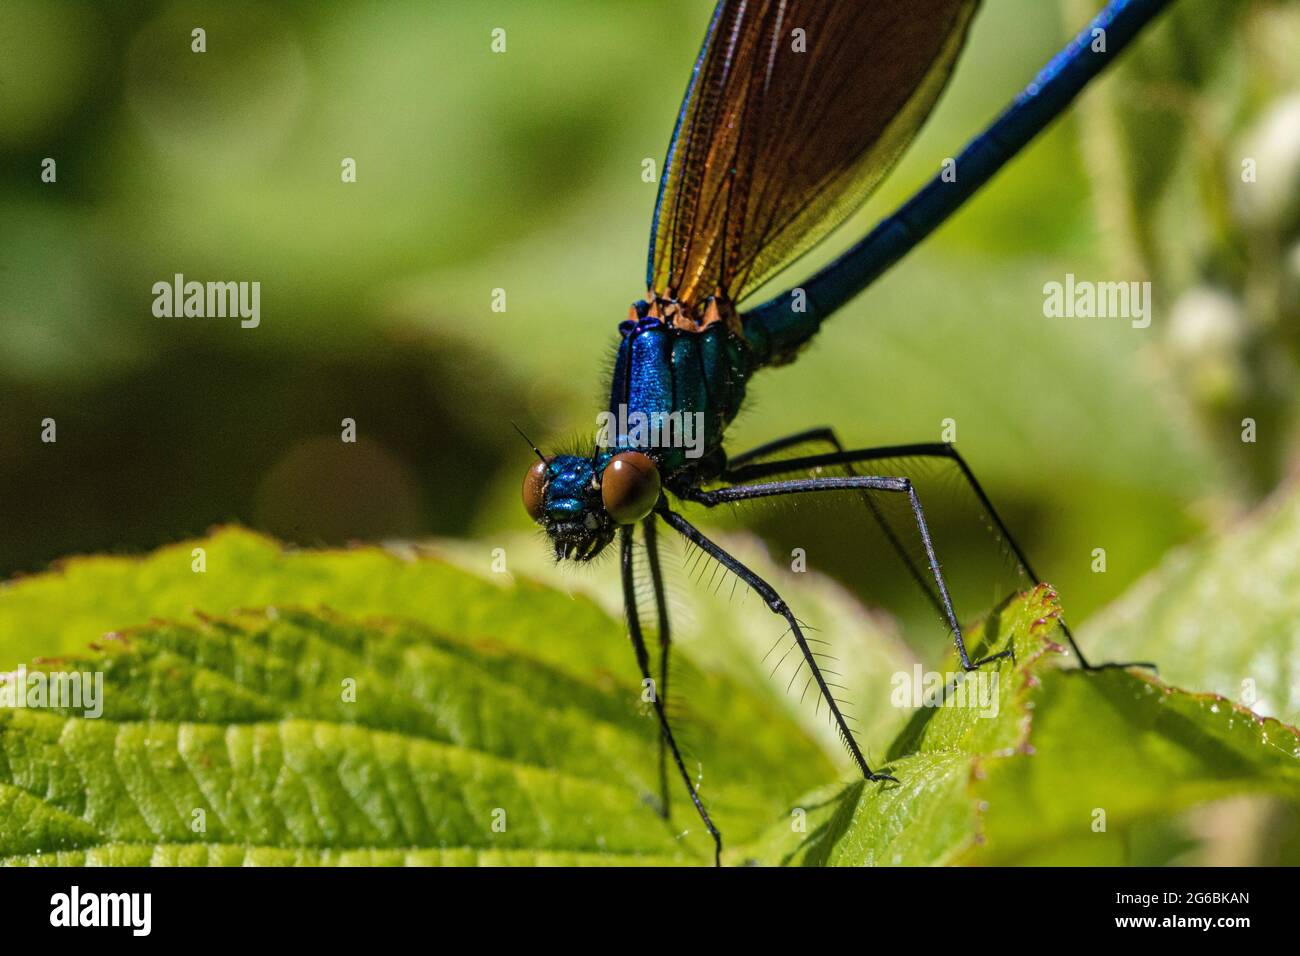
column 522, row 171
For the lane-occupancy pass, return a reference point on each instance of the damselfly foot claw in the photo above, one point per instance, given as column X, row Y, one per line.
column 873, row 777
column 1117, row 665
column 976, row 665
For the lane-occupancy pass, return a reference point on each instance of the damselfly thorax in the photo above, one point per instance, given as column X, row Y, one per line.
column 678, row 381
column 681, row 374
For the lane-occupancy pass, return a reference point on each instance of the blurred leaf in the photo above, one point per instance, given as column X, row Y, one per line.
column 50, row 327
column 1152, row 95
column 49, row 57
column 260, row 125
column 1027, row 784
column 1221, row 615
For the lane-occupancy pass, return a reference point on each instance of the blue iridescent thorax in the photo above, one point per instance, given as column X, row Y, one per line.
column 675, row 390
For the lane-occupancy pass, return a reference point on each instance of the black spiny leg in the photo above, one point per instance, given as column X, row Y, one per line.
column 744, row 459
column 665, row 647
column 748, row 467
column 899, row 485
column 778, row 606
column 643, row 661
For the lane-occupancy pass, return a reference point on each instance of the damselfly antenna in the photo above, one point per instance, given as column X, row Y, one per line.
column 536, row 451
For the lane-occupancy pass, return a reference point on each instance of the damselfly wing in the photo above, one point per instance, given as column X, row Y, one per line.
column 796, row 111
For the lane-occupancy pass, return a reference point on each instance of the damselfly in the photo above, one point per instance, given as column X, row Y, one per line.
column 795, row 111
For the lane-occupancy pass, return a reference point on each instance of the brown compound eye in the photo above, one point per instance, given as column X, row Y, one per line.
column 629, row 487
column 535, row 490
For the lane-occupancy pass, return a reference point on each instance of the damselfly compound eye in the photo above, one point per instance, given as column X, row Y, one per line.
column 535, row 490
column 629, row 487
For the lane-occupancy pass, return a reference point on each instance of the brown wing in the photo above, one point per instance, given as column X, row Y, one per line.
column 797, row 110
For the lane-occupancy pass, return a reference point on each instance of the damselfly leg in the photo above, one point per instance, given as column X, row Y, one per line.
column 643, row 661
column 900, row 486
column 750, row 466
column 777, row 605
column 665, row 647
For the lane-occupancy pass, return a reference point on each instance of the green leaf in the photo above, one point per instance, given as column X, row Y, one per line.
column 1221, row 615
column 1133, row 748
column 478, row 696
column 470, row 696
column 560, row 624
column 1074, row 767
column 731, row 632
column 246, row 720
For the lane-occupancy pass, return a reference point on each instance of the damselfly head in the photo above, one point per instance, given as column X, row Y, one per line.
column 581, row 501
